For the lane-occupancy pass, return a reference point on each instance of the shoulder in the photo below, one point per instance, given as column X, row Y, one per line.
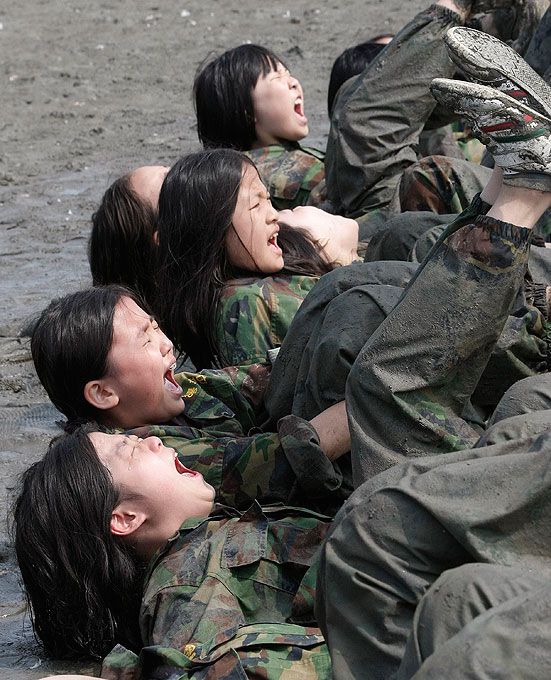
column 293, row 285
column 289, row 171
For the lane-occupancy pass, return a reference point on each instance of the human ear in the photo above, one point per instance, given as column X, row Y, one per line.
column 125, row 521
column 100, row 394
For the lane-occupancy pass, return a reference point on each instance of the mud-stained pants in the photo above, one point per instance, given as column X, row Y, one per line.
column 400, row 530
column 379, row 115
column 482, row 621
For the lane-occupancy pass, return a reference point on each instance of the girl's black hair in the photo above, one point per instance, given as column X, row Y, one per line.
column 196, row 206
column 70, row 344
column 122, row 247
column 222, row 92
column 349, row 63
column 82, row 584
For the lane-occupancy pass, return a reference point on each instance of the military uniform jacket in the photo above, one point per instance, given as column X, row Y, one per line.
column 287, row 466
column 255, row 314
column 291, row 173
column 231, row 594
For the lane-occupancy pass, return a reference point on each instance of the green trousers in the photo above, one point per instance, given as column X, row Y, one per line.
column 378, row 116
column 482, row 621
column 405, row 396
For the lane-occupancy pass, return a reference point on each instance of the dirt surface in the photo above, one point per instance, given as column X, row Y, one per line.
column 88, row 92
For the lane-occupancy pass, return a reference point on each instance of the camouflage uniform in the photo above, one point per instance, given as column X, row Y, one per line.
column 287, row 466
column 221, row 400
column 402, row 528
column 441, row 185
column 378, row 116
column 231, row 596
column 498, row 626
column 255, row 314
column 290, row 172
column 348, row 305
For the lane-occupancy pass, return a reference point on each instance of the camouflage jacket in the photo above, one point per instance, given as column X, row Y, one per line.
column 222, row 401
column 230, row 595
column 290, row 172
column 255, row 314
column 288, row 466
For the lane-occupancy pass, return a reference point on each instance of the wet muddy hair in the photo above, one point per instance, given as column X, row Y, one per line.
column 122, row 248
column 70, row 345
column 222, row 94
column 350, row 63
column 81, row 582
column 196, row 206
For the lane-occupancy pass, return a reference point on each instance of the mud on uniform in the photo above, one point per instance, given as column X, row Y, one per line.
column 402, row 528
column 232, row 595
column 379, row 116
column 482, row 621
column 348, row 305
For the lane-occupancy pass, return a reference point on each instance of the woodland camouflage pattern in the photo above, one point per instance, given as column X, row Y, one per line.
column 288, row 466
column 290, row 172
column 255, row 314
column 229, row 594
column 212, row 402
column 441, row 184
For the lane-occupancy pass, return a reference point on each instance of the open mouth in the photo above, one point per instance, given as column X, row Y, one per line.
column 299, row 108
column 170, row 384
column 181, row 468
column 272, row 242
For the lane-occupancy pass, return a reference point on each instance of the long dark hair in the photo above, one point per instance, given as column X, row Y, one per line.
column 82, row 584
column 222, row 93
column 70, row 344
column 122, row 247
column 196, row 207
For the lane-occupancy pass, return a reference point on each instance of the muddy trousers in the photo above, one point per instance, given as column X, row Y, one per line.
column 342, row 312
column 335, row 320
column 482, row 621
column 399, row 531
column 379, row 116
column 408, row 388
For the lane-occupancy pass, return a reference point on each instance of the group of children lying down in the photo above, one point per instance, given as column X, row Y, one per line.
column 354, row 482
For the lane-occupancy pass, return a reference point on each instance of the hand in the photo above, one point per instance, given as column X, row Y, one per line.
column 336, row 236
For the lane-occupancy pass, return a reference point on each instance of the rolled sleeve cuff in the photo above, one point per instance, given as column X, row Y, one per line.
column 314, row 471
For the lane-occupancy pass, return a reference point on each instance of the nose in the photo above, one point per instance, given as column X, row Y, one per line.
column 154, row 444
column 165, row 344
column 293, row 82
column 272, row 214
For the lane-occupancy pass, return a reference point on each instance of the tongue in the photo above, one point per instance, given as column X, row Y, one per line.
column 172, row 386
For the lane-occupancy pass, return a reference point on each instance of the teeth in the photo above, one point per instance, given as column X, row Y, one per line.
column 172, row 366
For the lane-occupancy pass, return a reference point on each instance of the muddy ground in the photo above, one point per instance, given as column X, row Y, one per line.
column 88, row 91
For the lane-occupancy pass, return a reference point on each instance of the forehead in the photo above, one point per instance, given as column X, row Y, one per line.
column 106, row 445
column 128, row 316
column 251, row 181
column 277, row 70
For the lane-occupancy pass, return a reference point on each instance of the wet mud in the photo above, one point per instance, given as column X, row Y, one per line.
column 90, row 91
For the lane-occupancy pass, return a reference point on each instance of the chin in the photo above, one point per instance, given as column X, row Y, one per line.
column 275, row 268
